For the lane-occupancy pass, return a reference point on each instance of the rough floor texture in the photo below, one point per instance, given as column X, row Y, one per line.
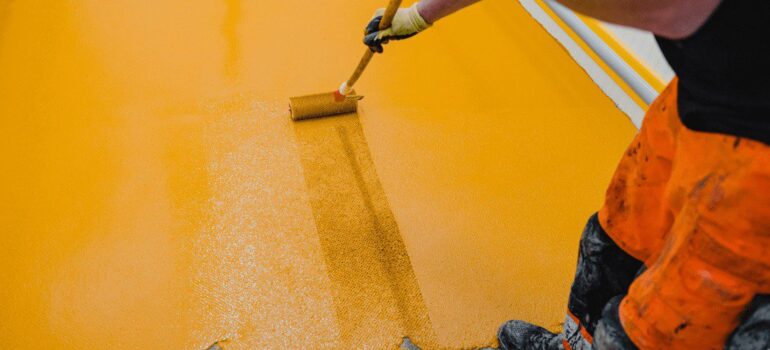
column 155, row 193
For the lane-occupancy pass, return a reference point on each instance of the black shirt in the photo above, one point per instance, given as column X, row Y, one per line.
column 724, row 71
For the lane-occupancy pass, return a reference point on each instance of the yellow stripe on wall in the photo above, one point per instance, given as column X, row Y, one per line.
column 595, row 25
column 652, row 78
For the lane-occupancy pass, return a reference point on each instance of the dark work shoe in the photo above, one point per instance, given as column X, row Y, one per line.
column 520, row 335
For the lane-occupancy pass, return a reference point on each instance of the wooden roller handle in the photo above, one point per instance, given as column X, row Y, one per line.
column 390, row 12
column 387, row 19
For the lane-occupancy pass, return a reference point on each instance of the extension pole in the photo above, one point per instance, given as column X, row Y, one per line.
column 385, row 23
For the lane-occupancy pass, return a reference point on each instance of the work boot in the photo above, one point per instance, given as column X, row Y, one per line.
column 520, row 335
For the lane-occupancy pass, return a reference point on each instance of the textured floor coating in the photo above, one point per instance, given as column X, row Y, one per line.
column 156, row 195
column 365, row 257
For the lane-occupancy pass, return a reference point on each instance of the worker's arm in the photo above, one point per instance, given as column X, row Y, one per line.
column 674, row 19
column 410, row 21
column 433, row 10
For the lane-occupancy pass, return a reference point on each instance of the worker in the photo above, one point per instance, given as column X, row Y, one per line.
column 678, row 257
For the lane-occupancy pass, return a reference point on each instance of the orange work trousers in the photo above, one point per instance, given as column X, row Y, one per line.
column 695, row 208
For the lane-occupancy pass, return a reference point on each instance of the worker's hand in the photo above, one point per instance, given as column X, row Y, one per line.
column 406, row 23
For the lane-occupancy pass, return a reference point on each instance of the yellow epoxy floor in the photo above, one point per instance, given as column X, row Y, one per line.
column 155, row 194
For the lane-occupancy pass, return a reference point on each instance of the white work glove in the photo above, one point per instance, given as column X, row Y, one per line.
column 406, row 23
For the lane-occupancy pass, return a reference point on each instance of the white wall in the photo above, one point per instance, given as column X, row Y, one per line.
column 642, row 44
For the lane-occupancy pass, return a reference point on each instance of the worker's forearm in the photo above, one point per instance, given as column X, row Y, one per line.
column 669, row 18
column 433, row 10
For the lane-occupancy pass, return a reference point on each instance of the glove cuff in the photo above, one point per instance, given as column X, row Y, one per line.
column 416, row 20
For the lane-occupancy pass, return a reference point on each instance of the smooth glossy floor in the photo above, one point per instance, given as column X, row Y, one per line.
column 155, row 194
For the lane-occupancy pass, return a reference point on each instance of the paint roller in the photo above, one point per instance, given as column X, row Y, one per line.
column 343, row 100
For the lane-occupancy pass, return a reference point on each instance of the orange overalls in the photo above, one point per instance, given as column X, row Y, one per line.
column 695, row 208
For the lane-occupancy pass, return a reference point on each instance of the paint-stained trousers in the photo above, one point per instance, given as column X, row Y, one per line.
column 679, row 256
